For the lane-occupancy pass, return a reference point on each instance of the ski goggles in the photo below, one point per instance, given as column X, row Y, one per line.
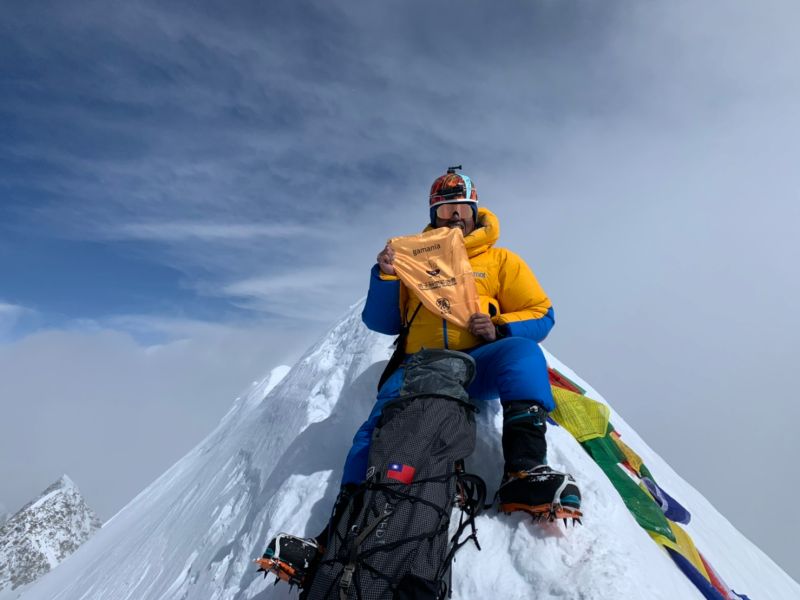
column 447, row 211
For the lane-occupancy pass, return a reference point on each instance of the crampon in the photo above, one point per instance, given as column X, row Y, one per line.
column 289, row 558
column 546, row 513
column 545, row 494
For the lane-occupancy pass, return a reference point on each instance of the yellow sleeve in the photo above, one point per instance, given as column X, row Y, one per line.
column 520, row 295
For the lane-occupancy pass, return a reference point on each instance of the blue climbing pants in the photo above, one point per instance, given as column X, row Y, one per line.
column 511, row 368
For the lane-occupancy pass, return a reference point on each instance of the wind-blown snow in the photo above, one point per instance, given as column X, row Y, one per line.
column 274, row 462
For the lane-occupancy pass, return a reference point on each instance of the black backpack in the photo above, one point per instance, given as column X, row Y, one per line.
column 392, row 541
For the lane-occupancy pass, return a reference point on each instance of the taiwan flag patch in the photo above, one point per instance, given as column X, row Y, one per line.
column 401, row 473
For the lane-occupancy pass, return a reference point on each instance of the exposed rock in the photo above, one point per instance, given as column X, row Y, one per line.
column 43, row 533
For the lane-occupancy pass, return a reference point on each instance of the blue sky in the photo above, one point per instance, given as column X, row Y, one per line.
column 172, row 160
column 191, row 193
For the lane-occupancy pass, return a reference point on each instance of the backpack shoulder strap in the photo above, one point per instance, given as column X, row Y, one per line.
column 399, row 349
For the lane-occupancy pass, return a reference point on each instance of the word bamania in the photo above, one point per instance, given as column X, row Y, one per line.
column 416, row 251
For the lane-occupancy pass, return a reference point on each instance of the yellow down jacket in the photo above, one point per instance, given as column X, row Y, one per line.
column 508, row 291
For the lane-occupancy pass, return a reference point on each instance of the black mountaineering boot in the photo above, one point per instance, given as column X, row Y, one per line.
column 290, row 558
column 543, row 493
column 529, row 485
column 524, row 426
column 295, row 560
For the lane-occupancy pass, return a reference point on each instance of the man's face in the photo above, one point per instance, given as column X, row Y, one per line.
column 456, row 215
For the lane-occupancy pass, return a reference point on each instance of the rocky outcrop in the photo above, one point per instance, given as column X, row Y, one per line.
column 43, row 533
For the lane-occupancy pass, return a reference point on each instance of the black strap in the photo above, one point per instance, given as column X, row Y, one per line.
column 399, row 354
column 472, row 493
column 350, row 568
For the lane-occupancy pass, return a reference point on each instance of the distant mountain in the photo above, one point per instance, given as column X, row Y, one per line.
column 43, row 533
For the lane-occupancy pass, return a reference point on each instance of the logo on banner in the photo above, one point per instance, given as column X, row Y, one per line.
column 435, row 270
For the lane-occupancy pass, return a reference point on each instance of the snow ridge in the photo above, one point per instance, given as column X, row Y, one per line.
column 274, row 462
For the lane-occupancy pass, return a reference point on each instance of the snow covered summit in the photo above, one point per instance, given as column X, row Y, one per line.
column 273, row 464
column 43, row 533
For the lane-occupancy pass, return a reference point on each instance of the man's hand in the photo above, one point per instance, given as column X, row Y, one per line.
column 385, row 260
column 480, row 325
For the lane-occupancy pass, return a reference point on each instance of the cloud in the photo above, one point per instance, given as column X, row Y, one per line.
column 315, row 294
column 115, row 413
column 11, row 311
column 192, row 132
column 11, row 315
column 211, row 232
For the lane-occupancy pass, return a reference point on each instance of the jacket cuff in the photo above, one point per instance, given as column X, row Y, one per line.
column 386, row 277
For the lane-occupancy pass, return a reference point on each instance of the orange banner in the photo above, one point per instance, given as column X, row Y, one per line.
column 435, row 266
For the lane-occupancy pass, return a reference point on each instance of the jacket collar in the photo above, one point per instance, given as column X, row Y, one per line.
column 485, row 234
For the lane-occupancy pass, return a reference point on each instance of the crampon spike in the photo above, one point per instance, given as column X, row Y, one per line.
column 288, row 558
column 545, row 513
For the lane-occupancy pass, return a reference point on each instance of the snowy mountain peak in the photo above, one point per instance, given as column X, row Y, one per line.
column 66, row 482
column 43, row 533
column 274, row 463
column 63, row 485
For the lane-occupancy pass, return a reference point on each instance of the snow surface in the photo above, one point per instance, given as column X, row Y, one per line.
column 274, row 462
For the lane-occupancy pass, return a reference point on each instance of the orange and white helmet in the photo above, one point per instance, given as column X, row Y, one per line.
column 453, row 187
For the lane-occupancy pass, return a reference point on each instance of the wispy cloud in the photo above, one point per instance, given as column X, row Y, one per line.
column 198, row 231
column 312, row 294
column 11, row 315
column 11, row 310
column 298, row 280
column 199, row 136
column 171, row 328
